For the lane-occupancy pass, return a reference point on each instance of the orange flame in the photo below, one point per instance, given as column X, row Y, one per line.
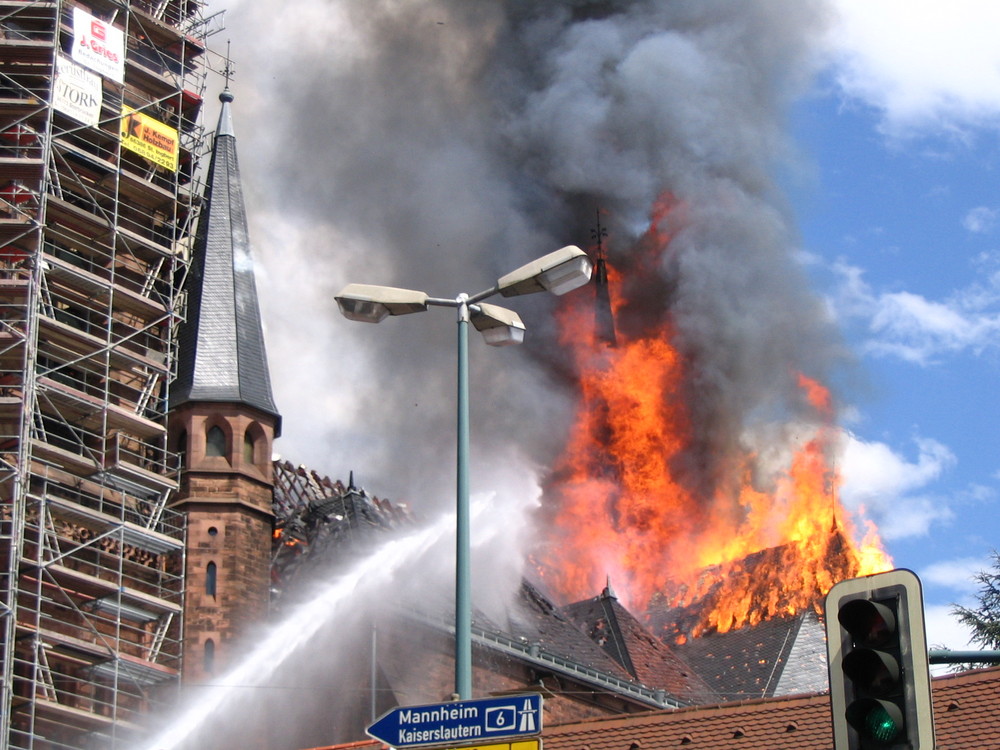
column 624, row 510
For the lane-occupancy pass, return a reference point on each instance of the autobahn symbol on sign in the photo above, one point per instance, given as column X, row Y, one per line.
column 460, row 722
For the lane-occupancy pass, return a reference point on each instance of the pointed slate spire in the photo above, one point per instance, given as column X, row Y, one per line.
column 221, row 355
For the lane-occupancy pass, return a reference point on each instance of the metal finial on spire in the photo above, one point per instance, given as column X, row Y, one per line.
column 603, row 316
column 598, row 236
column 225, row 116
column 228, row 69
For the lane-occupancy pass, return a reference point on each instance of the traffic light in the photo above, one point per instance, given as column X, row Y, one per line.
column 880, row 692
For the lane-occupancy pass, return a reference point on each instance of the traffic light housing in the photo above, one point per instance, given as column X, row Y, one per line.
column 880, row 692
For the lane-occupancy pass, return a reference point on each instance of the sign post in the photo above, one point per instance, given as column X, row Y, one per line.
column 473, row 722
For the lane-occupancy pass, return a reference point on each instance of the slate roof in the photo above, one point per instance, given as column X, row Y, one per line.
column 965, row 717
column 221, row 354
column 628, row 642
column 777, row 653
column 744, row 663
column 805, row 667
column 318, row 518
column 532, row 618
column 678, row 612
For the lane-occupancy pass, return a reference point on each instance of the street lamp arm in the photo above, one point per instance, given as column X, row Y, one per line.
column 443, row 302
column 486, row 293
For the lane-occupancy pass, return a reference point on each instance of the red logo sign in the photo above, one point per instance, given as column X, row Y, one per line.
column 97, row 29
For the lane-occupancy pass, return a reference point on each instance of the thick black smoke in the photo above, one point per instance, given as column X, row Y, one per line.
column 437, row 144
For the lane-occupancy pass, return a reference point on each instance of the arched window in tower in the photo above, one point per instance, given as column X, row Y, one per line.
column 254, row 445
column 209, row 656
column 215, row 442
column 211, row 576
column 248, row 446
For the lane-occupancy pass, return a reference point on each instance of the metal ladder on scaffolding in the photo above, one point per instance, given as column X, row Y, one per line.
column 151, row 276
column 163, row 624
column 44, row 673
column 147, row 392
column 156, row 512
column 48, row 308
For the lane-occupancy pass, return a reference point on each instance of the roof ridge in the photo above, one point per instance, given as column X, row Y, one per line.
column 621, row 647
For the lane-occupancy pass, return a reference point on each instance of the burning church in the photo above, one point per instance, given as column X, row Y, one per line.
column 664, row 451
column 683, row 446
column 689, row 427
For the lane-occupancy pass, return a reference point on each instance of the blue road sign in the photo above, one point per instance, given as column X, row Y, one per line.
column 460, row 722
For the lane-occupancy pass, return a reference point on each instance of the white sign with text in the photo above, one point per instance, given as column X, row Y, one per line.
column 98, row 45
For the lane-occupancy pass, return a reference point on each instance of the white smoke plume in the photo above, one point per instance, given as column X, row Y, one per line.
column 437, row 144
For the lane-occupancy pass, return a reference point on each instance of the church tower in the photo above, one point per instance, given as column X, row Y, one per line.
column 223, row 422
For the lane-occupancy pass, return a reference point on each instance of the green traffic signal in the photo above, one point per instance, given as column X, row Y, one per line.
column 880, row 697
column 877, row 720
column 881, row 725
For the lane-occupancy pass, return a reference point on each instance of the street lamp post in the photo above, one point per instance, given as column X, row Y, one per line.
column 558, row 272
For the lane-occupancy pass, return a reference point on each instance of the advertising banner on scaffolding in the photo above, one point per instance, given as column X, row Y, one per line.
column 98, row 45
column 150, row 138
column 77, row 92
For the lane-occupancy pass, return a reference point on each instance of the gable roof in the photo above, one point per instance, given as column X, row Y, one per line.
column 317, row 518
column 534, row 619
column 220, row 354
column 628, row 642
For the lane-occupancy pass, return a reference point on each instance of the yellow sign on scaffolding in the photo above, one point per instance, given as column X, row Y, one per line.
column 150, row 138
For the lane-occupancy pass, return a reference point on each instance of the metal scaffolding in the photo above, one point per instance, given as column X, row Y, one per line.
column 93, row 238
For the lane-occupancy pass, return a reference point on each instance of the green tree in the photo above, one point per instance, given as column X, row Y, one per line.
column 984, row 619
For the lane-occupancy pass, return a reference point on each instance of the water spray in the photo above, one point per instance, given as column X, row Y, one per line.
column 301, row 624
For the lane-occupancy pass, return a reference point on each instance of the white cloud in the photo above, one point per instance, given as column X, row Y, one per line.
column 955, row 574
column 943, row 628
column 891, row 489
column 980, row 220
column 945, row 631
column 914, row 328
column 922, row 64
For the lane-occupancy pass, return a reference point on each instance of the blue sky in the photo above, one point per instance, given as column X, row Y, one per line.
column 899, row 213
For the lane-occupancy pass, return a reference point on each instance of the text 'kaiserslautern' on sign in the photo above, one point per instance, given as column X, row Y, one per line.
column 460, row 721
